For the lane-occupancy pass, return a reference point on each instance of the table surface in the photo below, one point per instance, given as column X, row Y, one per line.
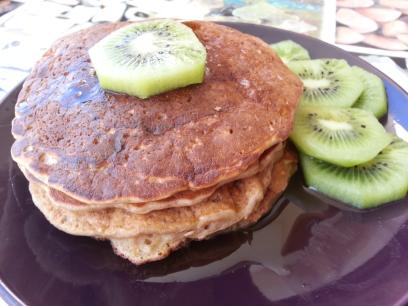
column 22, row 39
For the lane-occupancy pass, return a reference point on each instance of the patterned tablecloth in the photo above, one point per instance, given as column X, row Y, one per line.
column 31, row 25
column 29, row 28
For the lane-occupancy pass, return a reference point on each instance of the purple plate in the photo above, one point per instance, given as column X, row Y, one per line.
column 305, row 252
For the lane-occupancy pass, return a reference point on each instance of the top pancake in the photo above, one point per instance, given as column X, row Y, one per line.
column 98, row 146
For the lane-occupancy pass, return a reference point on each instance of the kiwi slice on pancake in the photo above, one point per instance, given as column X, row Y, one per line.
column 380, row 180
column 148, row 58
column 373, row 98
column 341, row 136
column 327, row 82
column 288, row 51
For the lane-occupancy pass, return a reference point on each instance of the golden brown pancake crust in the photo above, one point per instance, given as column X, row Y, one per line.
column 229, row 204
column 160, row 246
column 100, row 146
column 184, row 198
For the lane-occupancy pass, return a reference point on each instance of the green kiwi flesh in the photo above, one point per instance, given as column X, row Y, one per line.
column 327, row 82
column 380, row 180
column 341, row 136
column 373, row 97
column 147, row 58
column 288, row 51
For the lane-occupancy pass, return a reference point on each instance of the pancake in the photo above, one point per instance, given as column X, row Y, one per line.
column 228, row 205
column 100, row 147
column 146, row 248
column 185, row 198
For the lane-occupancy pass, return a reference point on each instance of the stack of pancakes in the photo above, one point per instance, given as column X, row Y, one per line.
column 151, row 175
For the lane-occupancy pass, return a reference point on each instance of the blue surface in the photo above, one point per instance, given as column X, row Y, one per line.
column 397, row 103
column 283, row 4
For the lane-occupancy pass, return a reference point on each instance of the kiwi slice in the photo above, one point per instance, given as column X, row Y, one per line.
column 148, row 58
column 288, row 51
column 341, row 136
column 378, row 181
column 373, row 97
column 327, row 82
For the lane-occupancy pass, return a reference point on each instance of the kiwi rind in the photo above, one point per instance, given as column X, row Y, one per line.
column 373, row 98
column 378, row 181
column 288, row 50
column 327, row 82
column 400, row 151
column 177, row 58
column 341, row 136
